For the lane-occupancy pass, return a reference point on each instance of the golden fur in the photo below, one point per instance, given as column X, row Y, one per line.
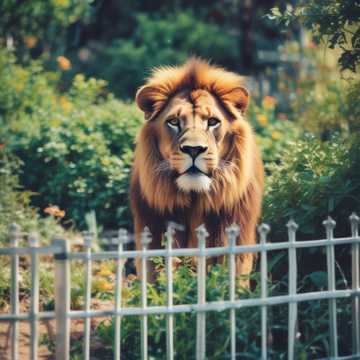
column 197, row 91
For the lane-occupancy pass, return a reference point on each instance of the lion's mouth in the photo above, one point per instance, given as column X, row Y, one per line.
column 194, row 170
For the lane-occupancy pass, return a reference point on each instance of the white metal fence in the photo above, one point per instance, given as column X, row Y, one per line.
column 63, row 256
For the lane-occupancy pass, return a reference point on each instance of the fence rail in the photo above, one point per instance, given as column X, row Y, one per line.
column 63, row 257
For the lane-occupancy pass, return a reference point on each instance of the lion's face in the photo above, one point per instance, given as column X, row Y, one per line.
column 192, row 139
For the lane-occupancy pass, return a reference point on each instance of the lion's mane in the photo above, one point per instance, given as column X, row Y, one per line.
column 236, row 192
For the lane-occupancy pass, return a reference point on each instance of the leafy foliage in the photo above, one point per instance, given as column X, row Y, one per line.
column 29, row 22
column 313, row 322
column 15, row 203
column 77, row 152
column 166, row 40
column 313, row 180
column 336, row 22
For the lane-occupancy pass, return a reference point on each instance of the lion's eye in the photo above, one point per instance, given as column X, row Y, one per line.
column 213, row 122
column 173, row 122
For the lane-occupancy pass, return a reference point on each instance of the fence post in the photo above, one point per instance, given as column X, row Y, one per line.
column 263, row 230
column 232, row 233
column 62, row 299
column 34, row 243
column 145, row 240
column 170, row 232
column 14, row 232
column 88, row 236
column 292, row 227
column 329, row 224
column 121, row 239
column 201, row 234
column 355, row 279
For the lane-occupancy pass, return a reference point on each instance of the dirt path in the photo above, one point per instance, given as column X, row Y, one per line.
column 46, row 330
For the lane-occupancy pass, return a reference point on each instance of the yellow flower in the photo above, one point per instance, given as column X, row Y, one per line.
column 30, row 41
column 64, row 63
column 65, row 103
column 62, row 3
column 269, row 102
column 276, row 135
column 19, row 86
column 262, row 119
column 102, row 285
column 54, row 211
column 105, row 161
column 104, row 270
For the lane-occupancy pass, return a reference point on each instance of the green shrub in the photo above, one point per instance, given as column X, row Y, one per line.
column 313, row 320
column 314, row 179
column 76, row 147
column 274, row 131
column 165, row 40
column 15, row 204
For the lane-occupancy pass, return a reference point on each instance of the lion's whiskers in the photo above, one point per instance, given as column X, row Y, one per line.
column 162, row 166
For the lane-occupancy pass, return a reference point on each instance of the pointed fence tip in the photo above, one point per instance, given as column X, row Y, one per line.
column 201, row 229
column 263, row 229
column 14, row 228
column 175, row 226
column 329, row 223
column 33, row 239
column 292, row 225
column 354, row 218
column 233, row 230
column 122, row 236
column 88, row 237
column 146, row 236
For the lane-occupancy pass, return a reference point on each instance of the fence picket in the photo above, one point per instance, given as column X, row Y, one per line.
column 329, row 224
column 292, row 227
column 62, row 299
column 232, row 233
column 263, row 232
column 14, row 232
column 34, row 307
column 122, row 238
column 201, row 234
column 88, row 237
column 355, row 280
column 145, row 241
column 170, row 292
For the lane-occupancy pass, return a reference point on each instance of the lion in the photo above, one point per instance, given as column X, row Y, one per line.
column 196, row 161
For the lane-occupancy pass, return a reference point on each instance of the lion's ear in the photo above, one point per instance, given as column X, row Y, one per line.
column 148, row 99
column 238, row 98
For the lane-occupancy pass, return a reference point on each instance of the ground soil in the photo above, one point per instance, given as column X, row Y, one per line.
column 47, row 329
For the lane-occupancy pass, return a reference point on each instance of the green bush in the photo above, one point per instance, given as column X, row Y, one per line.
column 314, row 179
column 15, row 204
column 312, row 326
column 76, row 147
column 166, row 40
column 274, row 131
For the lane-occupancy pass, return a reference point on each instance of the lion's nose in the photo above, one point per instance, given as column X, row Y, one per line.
column 193, row 151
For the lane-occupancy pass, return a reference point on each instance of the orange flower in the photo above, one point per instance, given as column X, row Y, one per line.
column 54, row 211
column 262, row 119
column 64, row 63
column 65, row 103
column 30, row 41
column 269, row 102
